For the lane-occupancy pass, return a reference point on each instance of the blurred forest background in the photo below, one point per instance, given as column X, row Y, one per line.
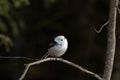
column 28, row 26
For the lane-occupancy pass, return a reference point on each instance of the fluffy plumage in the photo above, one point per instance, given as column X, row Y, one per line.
column 58, row 47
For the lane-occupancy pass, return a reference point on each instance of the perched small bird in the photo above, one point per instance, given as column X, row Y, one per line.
column 57, row 48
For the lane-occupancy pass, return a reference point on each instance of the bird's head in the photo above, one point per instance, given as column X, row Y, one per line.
column 61, row 40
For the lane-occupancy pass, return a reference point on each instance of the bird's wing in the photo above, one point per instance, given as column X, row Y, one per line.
column 52, row 44
column 47, row 54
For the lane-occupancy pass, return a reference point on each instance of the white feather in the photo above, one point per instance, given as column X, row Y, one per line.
column 59, row 49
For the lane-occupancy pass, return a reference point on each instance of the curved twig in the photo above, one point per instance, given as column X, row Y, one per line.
column 61, row 60
column 98, row 31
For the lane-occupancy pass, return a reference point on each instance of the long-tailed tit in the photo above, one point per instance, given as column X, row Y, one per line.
column 57, row 48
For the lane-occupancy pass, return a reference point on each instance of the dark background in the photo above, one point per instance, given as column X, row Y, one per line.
column 43, row 21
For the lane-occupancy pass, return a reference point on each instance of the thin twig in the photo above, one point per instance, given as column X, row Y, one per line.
column 98, row 31
column 111, row 40
column 6, row 57
column 118, row 7
column 118, row 10
column 61, row 60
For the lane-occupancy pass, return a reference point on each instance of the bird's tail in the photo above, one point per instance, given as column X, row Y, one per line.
column 45, row 56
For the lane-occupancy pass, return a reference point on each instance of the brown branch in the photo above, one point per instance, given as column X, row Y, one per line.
column 111, row 40
column 61, row 60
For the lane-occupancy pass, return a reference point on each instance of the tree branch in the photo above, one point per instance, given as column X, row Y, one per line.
column 61, row 60
column 111, row 40
column 8, row 57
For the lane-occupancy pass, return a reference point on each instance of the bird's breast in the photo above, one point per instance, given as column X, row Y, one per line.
column 57, row 51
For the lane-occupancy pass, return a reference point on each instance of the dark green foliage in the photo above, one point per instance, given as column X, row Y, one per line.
column 8, row 15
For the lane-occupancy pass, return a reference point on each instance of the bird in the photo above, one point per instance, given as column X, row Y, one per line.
column 57, row 48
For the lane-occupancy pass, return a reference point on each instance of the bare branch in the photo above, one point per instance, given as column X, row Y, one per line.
column 6, row 57
column 111, row 40
column 61, row 60
column 98, row 31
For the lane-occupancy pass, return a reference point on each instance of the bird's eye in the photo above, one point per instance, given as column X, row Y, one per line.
column 61, row 39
